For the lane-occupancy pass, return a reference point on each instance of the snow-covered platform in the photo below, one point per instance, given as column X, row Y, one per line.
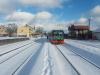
column 7, row 40
column 39, row 57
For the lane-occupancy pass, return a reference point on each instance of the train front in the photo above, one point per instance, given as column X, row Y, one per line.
column 57, row 37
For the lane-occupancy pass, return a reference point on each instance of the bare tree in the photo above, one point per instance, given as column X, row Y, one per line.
column 39, row 30
column 12, row 28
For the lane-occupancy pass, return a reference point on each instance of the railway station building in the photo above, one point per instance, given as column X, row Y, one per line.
column 80, row 32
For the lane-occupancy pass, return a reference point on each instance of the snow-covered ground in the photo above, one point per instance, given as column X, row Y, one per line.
column 3, row 38
column 93, row 43
column 89, row 52
column 39, row 57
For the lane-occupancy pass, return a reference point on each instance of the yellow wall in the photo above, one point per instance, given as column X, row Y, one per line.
column 3, row 30
column 25, row 30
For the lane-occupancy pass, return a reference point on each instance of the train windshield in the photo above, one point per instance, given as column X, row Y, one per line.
column 58, row 33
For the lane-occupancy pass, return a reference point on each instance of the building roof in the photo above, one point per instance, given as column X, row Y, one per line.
column 81, row 27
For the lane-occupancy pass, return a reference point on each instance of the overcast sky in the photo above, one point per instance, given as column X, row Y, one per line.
column 43, row 12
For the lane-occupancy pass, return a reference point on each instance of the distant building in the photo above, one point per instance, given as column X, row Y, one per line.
column 96, row 33
column 25, row 31
column 3, row 31
column 79, row 32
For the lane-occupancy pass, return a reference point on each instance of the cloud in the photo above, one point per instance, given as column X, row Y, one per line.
column 96, row 10
column 44, row 15
column 7, row 6
column 29, row 18
column 83, row 21
column 80, row 21
column 42, row 3
column 20, row 17
column 95, row 13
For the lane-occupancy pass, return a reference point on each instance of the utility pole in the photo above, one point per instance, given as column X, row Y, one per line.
column 89, row 20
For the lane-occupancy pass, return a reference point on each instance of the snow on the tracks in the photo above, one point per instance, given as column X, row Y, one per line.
column 90, row 53
column 8, row 67
column 39, row 57
column 60, row 65
column 9, row 47
column 93, row 43
column 84, row 67
column 47, row 62
column 85, row 47
column 34, row 66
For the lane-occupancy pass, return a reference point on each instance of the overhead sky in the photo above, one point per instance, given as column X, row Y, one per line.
column 45, row 12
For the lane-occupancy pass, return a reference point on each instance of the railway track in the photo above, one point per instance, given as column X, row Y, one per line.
column 27, row 59
column 20, row 52
column 83, row 57
column 78, row 73
column 15, row 53
column 88, row 44
column 14, row 49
